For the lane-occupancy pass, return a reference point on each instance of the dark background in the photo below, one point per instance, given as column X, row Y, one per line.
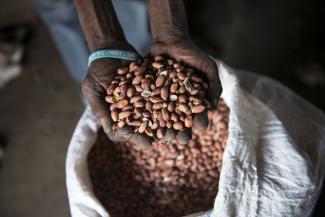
column 39, row 109
column 281, row 39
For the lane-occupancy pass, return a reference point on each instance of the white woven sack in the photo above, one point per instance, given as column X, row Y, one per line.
column 273, row 164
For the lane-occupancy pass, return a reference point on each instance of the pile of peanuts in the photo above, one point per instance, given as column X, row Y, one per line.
column 153, row 95
column 165, row 180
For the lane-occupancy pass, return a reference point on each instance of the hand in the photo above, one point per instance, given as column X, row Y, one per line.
column 184, row 50
column 100, row 74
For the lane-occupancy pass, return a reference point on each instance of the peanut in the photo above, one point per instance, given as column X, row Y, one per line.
column 164, row 93
column 123, row 115
column 122, row 103
column 160, row 81
column 198, row 108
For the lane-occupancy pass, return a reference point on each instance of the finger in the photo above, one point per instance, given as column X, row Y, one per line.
column 121, row 135
column 214, row 89
column 214, row 92
column 141, row 141
column 183, row 137
column 96, row 98
column 201, row 120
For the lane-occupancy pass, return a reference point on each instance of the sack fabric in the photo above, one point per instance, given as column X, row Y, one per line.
column 273, row 164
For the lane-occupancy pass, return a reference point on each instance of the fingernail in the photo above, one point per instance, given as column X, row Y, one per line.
column 170, row 135
column 201, row 121
column 184, row 136
column 140, row 141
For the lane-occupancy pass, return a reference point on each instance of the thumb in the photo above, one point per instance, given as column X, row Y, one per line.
column 96, row 98
column 214, row 92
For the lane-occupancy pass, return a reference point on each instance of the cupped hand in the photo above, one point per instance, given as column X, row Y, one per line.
column 100, row 74
column 184, row 50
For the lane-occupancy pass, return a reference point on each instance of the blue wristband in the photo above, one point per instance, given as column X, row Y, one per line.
column 115, row 54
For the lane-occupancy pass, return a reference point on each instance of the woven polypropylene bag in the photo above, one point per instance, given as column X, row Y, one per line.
column 273, row 164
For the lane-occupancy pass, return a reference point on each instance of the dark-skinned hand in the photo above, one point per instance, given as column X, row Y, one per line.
column 184, row 50
column 100, row 74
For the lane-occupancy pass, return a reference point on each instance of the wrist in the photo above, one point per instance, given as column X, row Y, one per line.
column 168, row 20
column 115, row 52
column 114, row 45
column 169, row 35
column 173, row 39
column 99, row 24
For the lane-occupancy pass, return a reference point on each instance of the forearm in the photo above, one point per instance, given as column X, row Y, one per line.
column 99, row 23
column 167, row 19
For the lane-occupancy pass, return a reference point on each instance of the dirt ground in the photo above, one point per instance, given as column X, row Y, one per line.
column 39, row 110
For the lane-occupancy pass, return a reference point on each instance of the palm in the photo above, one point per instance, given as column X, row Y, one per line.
column 99, row 77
